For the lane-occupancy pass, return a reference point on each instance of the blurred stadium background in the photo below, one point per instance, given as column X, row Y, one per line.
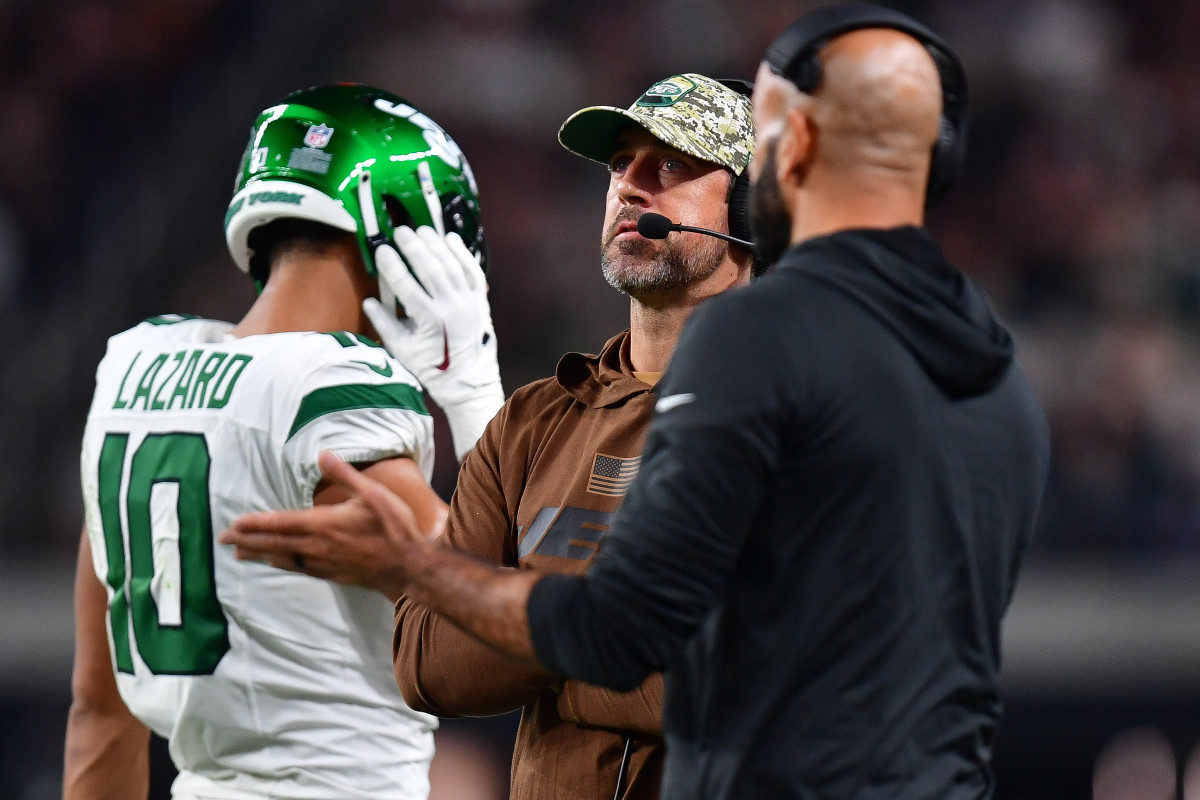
column 121, row 125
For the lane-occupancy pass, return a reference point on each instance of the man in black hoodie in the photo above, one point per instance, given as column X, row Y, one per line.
column 835, row 493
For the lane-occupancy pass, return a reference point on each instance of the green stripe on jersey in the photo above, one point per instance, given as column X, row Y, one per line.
column 351, row 339
column 171, row 319
column 342, row 338
column 347, row 397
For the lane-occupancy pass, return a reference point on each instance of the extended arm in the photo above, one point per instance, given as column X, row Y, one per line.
column 637, row 605
column 337, row 538
column 452, row 583
column 677, row 540
column 439, row 668
column 107, row 748
column 442, row 670
column 671, row 549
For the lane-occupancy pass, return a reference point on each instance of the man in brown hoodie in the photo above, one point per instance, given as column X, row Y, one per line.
column 553, row 465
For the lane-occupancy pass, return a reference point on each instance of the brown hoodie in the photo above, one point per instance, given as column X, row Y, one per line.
column 537, row 492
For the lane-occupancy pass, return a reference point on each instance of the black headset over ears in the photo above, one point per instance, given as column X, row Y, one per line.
column 794, row 56
column 739, row 194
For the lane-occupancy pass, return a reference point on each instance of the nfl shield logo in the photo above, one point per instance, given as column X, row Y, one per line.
column 318, row 135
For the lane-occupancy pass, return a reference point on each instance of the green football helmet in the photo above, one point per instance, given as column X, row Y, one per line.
column 358, row 159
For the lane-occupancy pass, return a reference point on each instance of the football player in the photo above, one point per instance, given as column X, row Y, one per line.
column 269, row 683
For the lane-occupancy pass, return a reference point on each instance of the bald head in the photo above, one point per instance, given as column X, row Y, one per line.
column 855, row 152
column 880, row 101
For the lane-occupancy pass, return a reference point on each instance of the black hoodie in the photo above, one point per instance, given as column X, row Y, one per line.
column 902, row 278
column 835, row 494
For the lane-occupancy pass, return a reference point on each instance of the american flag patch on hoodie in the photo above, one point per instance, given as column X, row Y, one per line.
column 611, row 475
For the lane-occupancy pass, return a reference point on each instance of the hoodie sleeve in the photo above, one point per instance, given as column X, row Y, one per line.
column 710, row 451
column 639, row 711
column 440, row 669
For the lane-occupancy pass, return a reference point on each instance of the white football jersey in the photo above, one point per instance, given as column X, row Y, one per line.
column 265, row 682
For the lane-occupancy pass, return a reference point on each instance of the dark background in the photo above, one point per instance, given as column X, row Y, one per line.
column 122, row 124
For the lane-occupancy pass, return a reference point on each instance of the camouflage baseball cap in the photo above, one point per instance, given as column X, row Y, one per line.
column 690, row 112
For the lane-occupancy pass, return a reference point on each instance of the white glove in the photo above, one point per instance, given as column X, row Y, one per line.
column 446, row 338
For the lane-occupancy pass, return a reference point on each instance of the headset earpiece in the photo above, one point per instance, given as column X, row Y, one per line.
column 808, row 70
column 739, row 207
column 740, row 224
column 739, row 193
column 949, row 150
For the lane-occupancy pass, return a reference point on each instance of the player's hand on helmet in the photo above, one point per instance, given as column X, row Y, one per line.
column 446, row 337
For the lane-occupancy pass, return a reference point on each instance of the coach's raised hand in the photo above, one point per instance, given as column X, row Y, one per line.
column 446, row 337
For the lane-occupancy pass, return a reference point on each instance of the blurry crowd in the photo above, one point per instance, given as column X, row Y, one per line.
column 121, row 125
column 81, row 82
column 1081, row 214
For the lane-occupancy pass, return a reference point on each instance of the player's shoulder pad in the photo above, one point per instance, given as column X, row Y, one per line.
column 184, row 327
column 169, row 319
column 350, row 353
column 333, row 372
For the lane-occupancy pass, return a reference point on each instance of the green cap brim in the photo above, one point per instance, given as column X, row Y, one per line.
column 592, row 133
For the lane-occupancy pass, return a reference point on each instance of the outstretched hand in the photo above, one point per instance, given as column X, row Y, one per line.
column 363, row 541
column 373, row 540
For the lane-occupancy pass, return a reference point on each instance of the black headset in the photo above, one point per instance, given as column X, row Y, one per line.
column 794, row 56
column 739, row 193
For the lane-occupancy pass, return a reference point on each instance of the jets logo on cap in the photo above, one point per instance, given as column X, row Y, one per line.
column 318, row 135
column 668, row 92
column 668, row 89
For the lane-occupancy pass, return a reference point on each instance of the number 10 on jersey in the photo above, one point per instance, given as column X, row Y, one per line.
column 165, row 467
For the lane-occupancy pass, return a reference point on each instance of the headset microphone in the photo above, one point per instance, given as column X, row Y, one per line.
column 656, row 226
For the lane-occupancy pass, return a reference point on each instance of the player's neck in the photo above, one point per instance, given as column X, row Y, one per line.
column 308, row 294
column 656, row 322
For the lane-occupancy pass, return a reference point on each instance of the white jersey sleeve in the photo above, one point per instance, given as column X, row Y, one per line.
column 360, row 404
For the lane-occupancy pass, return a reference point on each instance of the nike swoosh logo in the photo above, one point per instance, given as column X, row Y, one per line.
column 665, row 404
column 385, row 370
column 445, row 365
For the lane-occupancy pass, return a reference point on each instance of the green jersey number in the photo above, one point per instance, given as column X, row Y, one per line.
column 194, row 643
